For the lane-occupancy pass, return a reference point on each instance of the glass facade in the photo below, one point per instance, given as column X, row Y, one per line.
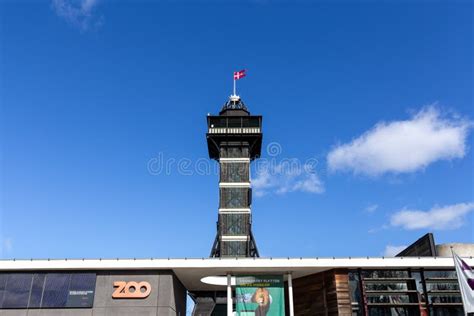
column 55, row 290
column 81, row 291
column 405, row 292
column 36, row 290
column 47, row 290
column 223, row 122
column 442, row 292
column 17, row 290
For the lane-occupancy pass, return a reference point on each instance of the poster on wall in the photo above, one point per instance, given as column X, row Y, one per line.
column 260, row 295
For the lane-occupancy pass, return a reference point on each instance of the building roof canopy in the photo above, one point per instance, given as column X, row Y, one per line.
column 191, row 271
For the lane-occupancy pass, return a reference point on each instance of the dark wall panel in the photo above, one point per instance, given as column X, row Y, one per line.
column 325, row 293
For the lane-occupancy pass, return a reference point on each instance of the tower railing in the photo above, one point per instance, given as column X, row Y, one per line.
column 234, row 130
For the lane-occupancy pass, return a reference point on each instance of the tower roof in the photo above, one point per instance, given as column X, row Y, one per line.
column 234, row 107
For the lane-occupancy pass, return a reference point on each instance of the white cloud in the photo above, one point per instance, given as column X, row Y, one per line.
column 392, row 251
column 403, row 146
column 309, row 183
column 79, row 13
column 284, row 177
column 440, row 218
column 371, row 208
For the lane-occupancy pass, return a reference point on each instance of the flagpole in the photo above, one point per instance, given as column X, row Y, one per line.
column 461, row 288
column 234, row 86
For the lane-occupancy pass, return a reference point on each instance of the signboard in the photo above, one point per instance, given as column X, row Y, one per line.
column 260, row 295
column 131, row 289
column 80, row 298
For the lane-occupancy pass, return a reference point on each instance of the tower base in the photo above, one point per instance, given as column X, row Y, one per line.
column 252, row 250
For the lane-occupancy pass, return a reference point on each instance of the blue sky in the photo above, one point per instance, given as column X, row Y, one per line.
column 376, row 97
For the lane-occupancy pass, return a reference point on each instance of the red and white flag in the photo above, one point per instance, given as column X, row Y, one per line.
column 239, row 74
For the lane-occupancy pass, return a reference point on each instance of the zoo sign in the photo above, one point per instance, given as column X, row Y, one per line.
column 131, row 289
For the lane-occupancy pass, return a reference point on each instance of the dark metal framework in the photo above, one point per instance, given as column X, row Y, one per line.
column 416, row 292
column 234, row 131
column 234, row 138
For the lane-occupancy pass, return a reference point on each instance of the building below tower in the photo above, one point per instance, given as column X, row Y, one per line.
column 409, row 285
column 321, row 286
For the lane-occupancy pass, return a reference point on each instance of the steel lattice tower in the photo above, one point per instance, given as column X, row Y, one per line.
column 234, row 139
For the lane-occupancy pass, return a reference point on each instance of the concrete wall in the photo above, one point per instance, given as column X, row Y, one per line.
column 463, row 250
column 167, row 297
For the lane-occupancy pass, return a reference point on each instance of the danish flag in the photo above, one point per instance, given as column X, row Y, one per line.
column 239, row 74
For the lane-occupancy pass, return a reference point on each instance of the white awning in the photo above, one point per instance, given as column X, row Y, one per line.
column 191, row 271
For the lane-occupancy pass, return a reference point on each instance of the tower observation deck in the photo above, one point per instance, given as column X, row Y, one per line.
column 234, row 139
